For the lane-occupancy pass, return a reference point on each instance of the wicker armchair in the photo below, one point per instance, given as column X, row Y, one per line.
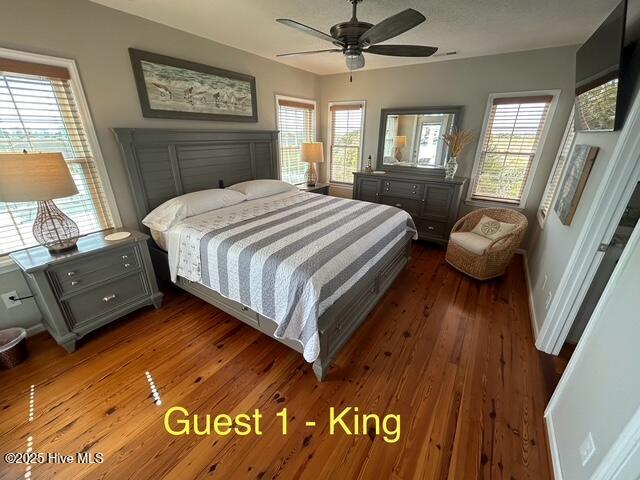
column 497, row 255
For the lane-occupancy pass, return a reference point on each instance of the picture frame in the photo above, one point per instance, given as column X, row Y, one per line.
column 169, row 87
column 574, row 181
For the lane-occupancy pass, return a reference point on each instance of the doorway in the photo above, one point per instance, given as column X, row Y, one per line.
column 609, row 261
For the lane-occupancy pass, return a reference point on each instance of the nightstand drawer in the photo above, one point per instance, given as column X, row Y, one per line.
column 76, row 275
column 96, row 302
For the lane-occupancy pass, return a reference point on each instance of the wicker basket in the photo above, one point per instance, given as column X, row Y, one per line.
column 13, row 347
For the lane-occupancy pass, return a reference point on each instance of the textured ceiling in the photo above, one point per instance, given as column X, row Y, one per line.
column 470, row 27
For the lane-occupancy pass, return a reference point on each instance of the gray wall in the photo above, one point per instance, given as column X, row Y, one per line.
column 98, row 38
column 551, row 247
column 598, row 394
column 466, row 82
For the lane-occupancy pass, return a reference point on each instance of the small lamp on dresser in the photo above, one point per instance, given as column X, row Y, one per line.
column 41, row 177
column 312, row 153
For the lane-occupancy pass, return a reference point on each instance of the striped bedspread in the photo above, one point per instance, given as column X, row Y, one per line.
column 287, row 257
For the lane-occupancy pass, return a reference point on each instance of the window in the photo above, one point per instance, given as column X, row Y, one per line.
column 558, row 167
column 346, row 123
column 514, row 131
column 40, row 112
column 296, row 122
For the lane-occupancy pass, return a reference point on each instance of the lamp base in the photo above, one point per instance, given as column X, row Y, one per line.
column 53, row 229
column 312, row 178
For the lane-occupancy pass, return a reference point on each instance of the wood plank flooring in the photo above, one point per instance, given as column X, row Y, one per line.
column 452, row 356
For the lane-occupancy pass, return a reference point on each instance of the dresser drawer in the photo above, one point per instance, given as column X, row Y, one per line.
column 407, row 204
column 96, row 302
column 403, row 189
column 432, row 228
column 76, row 275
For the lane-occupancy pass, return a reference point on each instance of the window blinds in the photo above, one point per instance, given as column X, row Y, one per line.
column 296, row 121
column 38, row 113
column 558, row 167
column 346, row 132
column 513, row 132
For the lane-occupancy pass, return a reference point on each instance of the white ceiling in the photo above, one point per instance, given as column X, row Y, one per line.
column 470, row 27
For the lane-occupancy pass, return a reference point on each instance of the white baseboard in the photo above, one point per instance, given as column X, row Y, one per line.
column 553, row 447
column 37, row 328
column 532, row 311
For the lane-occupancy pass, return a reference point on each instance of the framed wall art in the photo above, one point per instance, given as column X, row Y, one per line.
column 172, row 88
column 575, row 179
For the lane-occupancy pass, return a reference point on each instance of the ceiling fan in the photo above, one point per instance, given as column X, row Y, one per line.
column 353, row 38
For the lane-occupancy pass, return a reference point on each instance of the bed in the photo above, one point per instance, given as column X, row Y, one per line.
column 303, row 268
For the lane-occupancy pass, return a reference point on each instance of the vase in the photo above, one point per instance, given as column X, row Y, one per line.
column 451, row 169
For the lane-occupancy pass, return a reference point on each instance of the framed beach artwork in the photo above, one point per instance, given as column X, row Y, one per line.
column 575, row 179
column 173, row 88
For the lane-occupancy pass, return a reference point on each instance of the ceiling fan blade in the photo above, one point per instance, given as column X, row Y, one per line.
column 309, row 52
column 392, row 26
column 309, row 30
column 402, row 50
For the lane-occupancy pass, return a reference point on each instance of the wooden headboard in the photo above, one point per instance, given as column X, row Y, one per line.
column 162, row 163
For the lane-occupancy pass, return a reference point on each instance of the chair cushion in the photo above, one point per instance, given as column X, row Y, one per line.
column 493, row 229
column 471, row 242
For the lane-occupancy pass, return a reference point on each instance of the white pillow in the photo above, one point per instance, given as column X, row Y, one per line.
column 172, row 211
column 262, row 188
column 492, row 229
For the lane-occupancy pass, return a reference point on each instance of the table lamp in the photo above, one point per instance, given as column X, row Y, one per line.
column 41, row 177
column 312, row 153
column 399, row 143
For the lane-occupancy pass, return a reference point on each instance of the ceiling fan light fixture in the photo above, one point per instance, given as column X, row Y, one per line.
column 355, row 61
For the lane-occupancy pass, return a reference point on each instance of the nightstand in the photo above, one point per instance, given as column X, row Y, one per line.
column 321, row 188
column 86, row 288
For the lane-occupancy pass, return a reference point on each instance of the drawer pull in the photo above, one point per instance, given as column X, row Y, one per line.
column 124, row 257
column 108, row 298
column 75, row 282
column 244, row 309
column 127, row 265
column 71, row 273
column 399, row 205
column 430, row 228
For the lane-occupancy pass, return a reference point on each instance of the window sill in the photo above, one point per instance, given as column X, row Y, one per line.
column 489, row 204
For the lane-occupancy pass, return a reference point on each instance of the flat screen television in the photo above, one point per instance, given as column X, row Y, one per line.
column 607, row 67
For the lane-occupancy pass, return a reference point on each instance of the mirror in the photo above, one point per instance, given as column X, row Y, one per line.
column 411, row 138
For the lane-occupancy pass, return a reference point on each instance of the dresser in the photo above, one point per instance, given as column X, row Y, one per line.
column 81, row 290
column 432, row 202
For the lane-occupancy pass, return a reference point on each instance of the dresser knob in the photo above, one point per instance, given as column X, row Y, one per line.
column 127, row 265
column 124, row 257
column 399, row 205
column 75, row 282
column 108, row 298
column 430, row 228
column 71, row 273
column 244, row 309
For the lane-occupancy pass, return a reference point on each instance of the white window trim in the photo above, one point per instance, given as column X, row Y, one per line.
column 6, row 264
column 314, row 119
column 534, row 164
column 330, row 139
column 567, row 130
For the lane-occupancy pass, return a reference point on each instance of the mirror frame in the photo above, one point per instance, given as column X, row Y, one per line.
column 385, row 112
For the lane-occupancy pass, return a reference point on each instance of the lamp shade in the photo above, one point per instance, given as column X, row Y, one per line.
column 27, row 177
column 312, row 152
column 399, row 141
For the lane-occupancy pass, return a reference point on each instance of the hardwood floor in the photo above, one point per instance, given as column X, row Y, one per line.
column 452, row 356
